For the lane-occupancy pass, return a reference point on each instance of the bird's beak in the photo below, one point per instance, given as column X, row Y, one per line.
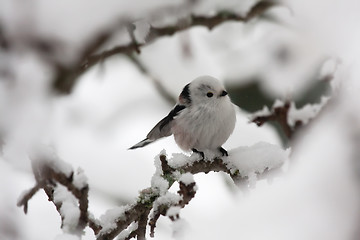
column 223, row 93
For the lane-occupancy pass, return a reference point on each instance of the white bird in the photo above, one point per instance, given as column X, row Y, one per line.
column 203, row 118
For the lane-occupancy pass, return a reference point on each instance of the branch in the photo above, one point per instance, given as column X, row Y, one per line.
column 157, row 198
column 47, row 178
column 24, row 198
column 213, row 21
column 157, row 32
column 67, row 76
column 67, row 71
column 288, row 116
column 148, row 197
column 134, row 213
column 278, row 114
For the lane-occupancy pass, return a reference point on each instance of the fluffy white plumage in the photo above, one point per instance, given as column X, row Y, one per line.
column 203, row 118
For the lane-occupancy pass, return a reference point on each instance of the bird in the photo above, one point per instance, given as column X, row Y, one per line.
column 202, row 119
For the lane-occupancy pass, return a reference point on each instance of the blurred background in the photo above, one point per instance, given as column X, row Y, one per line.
column 92, row 111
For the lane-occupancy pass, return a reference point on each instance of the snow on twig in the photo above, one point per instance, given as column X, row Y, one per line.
column 287, row 115
column 50, row 173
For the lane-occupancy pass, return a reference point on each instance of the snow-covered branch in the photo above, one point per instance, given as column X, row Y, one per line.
column 50, row 175
column 67, row 76
column 69, row 191
column 287, row 115
column 245, row 164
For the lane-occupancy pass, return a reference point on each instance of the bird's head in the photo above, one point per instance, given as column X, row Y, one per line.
column 203, row 90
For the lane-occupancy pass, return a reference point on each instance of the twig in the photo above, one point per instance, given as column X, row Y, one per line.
column 280, row 115
column 142, row 223
column 46, row 178
column 157, row 83
column 131, row 29
column 23, row 201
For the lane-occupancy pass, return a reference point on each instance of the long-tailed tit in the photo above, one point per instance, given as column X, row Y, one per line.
column 203, row 118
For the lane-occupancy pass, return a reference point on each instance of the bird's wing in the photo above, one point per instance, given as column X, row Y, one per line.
column 142, row 143
column 161, row 129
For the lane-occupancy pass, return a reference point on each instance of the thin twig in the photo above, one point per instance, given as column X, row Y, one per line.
column 157, row 83
column 131, row 29
column 280, row 115
column 26, row 197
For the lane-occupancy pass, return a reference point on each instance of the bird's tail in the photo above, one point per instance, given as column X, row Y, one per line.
column 143, row 143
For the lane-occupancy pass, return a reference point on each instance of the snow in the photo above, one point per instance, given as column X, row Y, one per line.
column 160, row 184
column 178, row 229
column 278, row 103
column 79, row 179
column 180, row 159
column 142, row 29
column 263, row 112
column 329, row 68
column 71, row 215
column 10, row 226
column 167, row 199
column 306, row 113
column 256, row 158
column 109, row 218
column 48, row 155
column 67, row 236
column 124, row 234
column 187, row 178
column 69, row 208
column 246, row 160
column 173, row 211
column 157, row 181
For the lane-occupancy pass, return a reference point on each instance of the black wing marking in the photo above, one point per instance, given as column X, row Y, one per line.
column 165, row 121
column 143, row 143
column 184, row 97
column 163, row 128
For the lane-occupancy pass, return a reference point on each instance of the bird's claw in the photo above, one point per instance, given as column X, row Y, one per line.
column 223, row 151
column 198, row 152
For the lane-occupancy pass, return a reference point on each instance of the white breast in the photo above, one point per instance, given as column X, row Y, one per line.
column 204, row 127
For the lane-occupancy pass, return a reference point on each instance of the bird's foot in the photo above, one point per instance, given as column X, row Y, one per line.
column 223, row 151
column 198, row 152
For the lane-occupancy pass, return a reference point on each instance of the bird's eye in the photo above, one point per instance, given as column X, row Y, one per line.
column 209, row 94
